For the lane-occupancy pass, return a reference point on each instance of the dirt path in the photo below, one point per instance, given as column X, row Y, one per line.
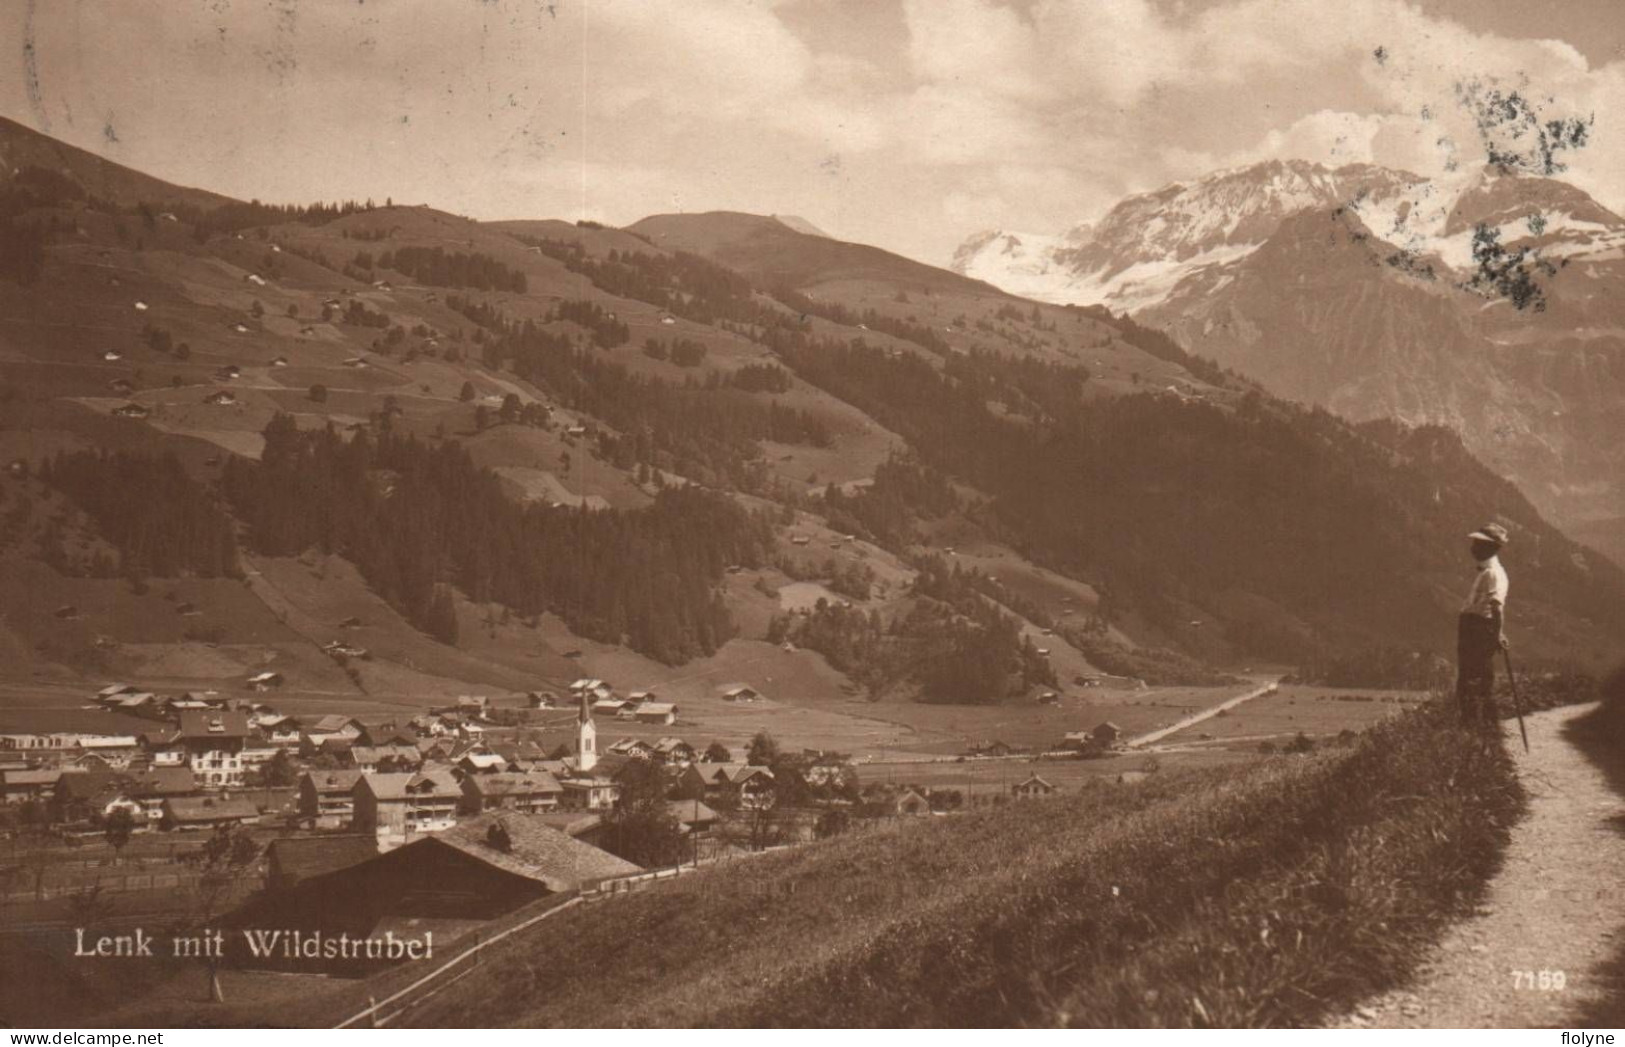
column 1558, row 905
column 1209, row 713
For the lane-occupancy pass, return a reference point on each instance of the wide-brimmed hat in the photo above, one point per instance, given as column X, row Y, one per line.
column 1491, row 533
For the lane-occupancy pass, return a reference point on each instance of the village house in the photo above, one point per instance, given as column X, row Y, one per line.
column 478, row 758
column 214, row 742
column 662, row 713
column 291, row 860
column 58, row 736
column 741, row 693
column 131, row 410
column 162, row 746
column 1033, row 787
column 207, row 812
column 1106, row 734
column 96, row 795
column 636, row 748
column 327, row 799
column 397, row 808
column 674, row 752
column 281, row 731
column 450, row 883
column 24, row 786
column 257, row 750
column 732, row 784
column 336, row 726
column 528, row 792
column 369, row 759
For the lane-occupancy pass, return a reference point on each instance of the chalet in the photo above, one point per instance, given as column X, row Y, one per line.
column 131, row 410
column 992, row 748
column 61, row 733
column 675, row 751
column 528, row 792
column 112, row 356
column 214, row 742
column 734, row 784
column 23, row 786
column 609, row 706
column 634, row 747
column 207, row 812
column 162, row 746
column 282, row 361
column 1033, row 787
column 240, row 327
column 335, row 725
column 387, row 733
column 327, row 799
column 151, row 789
column 741, row 693
column 114, row 690
column 628, row 711
column 370, row 759
column 586, row 792
column 140, row 306
column 258, row 750
column 228, row 372
column 281, row 731
column 541, row 699
column 356, row 362
column 479, row 758
column 448, row 884
column 426, row 726
column 87, row 795
column 593, row 688
column 639, row 697
column 291, row 860
column 1106, row 734
column 397, row 808
column 265, row 681
column 663, row 713
column 912, row 803
column 220, row 399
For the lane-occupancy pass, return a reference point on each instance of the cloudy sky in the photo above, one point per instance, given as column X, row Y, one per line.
column 905, row 123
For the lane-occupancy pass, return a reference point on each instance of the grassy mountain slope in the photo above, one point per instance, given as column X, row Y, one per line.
column 561, row 358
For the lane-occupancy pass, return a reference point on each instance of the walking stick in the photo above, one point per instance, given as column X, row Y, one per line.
column 1517, row 705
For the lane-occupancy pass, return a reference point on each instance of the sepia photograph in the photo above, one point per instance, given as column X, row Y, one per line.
column 740, row 514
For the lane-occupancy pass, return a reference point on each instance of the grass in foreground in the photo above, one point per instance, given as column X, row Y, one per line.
column 1601, row 736
column 1275, row 894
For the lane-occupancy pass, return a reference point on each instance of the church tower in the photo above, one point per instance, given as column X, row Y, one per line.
column 586, row 738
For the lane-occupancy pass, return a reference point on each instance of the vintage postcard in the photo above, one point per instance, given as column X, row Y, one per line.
column 542, row 514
